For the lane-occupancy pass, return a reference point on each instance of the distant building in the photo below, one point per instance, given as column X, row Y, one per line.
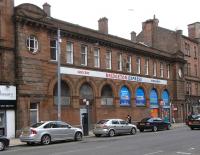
column 187, row 97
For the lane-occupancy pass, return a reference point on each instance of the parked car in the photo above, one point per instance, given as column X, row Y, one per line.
column 4, row 143
column 153, row 124
column 112, row 127
column 49, row 131
column 194, row 122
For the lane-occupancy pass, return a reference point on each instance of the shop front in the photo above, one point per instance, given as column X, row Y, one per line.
column 165, row 105
column 7, row 110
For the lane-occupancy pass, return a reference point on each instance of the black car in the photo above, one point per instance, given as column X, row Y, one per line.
column 4, row 143
column 193, row 122
column 153, row 124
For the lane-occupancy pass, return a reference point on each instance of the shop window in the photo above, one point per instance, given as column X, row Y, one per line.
column 165, row 98
column 65, row 94
column 140, row 97
column 125, row 96
column 32, row 44
column 106, row 95
column 86, row 92
column 153, row 98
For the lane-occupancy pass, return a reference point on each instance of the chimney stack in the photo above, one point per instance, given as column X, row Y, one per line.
column 47, row 9
column 103, row 25
column 133, row 36
column 179, row 32
column 194, row 31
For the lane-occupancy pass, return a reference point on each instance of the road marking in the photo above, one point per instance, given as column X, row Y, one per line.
column 192, row 148
column 153, row 153
column 183, row 153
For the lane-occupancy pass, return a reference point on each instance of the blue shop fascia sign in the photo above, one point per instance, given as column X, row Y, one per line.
column 125, row 96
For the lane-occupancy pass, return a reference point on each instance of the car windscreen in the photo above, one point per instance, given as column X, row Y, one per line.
column 102, row 121
column 37, row 124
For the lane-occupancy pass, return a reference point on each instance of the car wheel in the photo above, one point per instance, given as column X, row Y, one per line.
column 133, row 131
column 155, row 129
column 46, row 140
column 98, row 135
column 141, row 130
column 111, row 133
column 78, row 136
column 2, row 146
column 168, row 127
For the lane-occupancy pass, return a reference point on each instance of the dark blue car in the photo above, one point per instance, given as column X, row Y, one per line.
column 153, row 124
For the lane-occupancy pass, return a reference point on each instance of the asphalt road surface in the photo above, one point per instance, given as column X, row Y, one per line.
column 179, row 141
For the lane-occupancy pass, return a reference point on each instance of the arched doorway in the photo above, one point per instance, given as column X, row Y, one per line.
column 86, row 107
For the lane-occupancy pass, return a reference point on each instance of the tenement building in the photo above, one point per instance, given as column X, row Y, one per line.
column 7, row 70
column 174, row 41
column 101, row 75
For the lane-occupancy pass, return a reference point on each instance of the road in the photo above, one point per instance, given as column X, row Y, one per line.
column 179, row 141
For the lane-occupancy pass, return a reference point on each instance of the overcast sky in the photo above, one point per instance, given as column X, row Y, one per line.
column 124, row 16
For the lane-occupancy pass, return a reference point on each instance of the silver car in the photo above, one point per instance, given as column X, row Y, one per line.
column 112, row 127
column 49, row 131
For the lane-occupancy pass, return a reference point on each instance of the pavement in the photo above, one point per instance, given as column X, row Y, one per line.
column 17, row 142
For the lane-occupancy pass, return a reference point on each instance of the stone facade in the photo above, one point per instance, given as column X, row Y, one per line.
column 33, row 68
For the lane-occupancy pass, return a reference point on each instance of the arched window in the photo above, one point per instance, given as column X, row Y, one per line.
column 165, row 98
column 65, row 94
column 125, row 96
column 106, row 95
column 86, row 92
column 153, row 98
column 140, row 97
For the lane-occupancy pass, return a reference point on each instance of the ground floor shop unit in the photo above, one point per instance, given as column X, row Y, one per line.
column 7, row 110
column 97, row 95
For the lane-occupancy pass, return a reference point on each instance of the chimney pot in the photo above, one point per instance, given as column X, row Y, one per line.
column 47, row 9
column 103, row 25
column 133, row 36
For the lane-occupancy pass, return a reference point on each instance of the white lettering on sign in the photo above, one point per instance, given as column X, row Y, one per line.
column 91, row 73
column 7, row 93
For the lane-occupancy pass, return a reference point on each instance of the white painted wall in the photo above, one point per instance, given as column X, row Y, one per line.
column 10, row 121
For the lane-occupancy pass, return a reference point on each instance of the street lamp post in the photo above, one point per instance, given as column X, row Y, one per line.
column 58, row 74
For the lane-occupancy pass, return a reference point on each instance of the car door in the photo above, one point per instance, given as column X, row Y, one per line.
column 116, row 126
column 124, row 127
column 51, row 128
column 159, row 123
column 66, row 130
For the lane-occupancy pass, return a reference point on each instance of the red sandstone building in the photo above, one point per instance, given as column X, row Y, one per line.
column 113, row 76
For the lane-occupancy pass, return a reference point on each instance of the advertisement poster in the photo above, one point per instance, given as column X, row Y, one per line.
column 124, row 96
column 153, row 99
column 140, row 97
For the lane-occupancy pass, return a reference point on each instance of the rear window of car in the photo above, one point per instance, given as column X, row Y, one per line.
column 102, row 121
column 145, row 119
column 37, row 124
